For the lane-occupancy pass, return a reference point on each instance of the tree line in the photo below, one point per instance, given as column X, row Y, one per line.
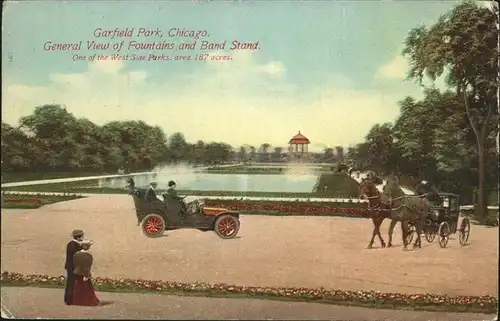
column 53, row 140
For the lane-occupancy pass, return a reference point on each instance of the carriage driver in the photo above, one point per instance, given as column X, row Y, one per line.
column 427, row 191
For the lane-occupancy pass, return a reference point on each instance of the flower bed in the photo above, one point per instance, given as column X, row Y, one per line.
column 268, row 207
column 483, row 304
column 249, row 194
column 11, row 200
column 19, row 199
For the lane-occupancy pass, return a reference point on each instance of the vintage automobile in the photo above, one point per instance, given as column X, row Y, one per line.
column 156, row 217
column 445, row 220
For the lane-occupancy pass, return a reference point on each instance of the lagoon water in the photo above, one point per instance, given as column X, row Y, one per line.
column 236, row 182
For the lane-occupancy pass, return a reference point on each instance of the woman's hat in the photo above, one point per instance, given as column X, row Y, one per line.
column 171, row 183
column 77, row 233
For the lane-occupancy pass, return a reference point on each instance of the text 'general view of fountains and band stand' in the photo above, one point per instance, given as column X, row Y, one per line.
column 107, row 46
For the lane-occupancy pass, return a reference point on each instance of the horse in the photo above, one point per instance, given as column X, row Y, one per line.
column 406, row 208
column 378, row 209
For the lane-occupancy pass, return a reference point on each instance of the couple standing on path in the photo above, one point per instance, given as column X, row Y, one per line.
column 79, row 289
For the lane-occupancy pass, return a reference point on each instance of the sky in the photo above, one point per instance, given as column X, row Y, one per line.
column 331, row 69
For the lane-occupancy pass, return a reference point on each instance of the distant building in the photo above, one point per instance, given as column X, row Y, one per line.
column 298, row 149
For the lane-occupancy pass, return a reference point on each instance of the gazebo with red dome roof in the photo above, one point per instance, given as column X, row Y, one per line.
column 299, row 146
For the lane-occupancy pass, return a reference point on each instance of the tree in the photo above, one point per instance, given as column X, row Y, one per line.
column 380, row 145
column 339, row 151
column 242, row 154
column 177, row 146
column 199, row 151
column 15, row 149
column 276, row 155
column 52, row 125
column 265, row 153
column 252, row 153
column 463, row 43
column 328, row 156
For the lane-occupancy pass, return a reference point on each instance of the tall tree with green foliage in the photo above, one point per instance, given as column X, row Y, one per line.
column 463, row 44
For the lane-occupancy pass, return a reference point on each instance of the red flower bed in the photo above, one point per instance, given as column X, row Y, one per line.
column 290, row 208
column 32, row 200
column 485, row 303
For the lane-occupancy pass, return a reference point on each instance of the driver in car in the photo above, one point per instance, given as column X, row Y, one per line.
column 173, row 193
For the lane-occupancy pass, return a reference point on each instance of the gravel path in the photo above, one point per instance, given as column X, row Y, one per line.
column 271, row 251
column 47, row 303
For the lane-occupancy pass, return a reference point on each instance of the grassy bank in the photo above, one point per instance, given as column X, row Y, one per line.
column 33, row 201
column 336, row 185
column 22, row 177
column 70, row 187
column 371, row 299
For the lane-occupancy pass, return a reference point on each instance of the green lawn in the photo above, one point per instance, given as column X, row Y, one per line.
column 90, row 188
column 21, row 177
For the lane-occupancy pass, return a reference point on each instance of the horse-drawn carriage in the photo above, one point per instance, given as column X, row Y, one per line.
column 440, row 217
column 444, row 221
column 155, row 217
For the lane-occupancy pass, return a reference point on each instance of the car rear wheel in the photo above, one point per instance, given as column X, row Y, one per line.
column 227, row 226
column 153, row 225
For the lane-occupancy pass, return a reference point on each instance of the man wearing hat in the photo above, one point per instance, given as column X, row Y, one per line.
column 151, row 192
column 427, row 191
column 173, row 194
column 72, row 247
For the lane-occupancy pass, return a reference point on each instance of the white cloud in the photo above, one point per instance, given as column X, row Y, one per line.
column 396, row 68
column 239, row 101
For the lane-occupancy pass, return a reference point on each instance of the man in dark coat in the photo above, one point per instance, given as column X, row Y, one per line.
column 427, row 191
column 173, row 194
column 151, row 192
column 72, row 247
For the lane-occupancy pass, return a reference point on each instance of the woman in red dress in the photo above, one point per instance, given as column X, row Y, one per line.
column 83, row 290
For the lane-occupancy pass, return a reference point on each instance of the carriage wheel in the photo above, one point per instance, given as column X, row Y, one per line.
column 444, row 234
column 464, row 231
column 411, row 232
column 227, row 226
column 430, row 236
column 153, row 225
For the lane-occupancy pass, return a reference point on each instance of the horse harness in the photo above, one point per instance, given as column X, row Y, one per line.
column 391, row 200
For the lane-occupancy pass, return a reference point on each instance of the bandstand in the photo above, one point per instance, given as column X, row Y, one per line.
column 298, row 149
